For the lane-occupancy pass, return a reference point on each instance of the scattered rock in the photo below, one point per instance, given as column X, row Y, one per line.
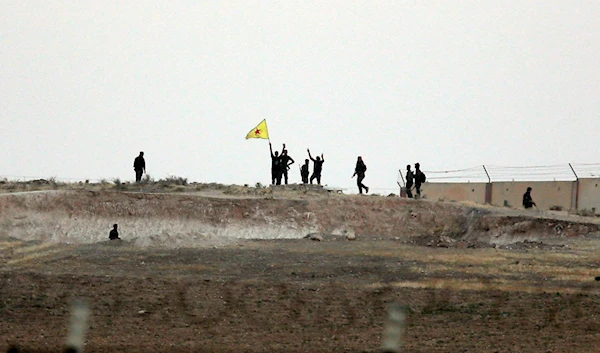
column 446, row 239
column 314, row 236
column 38, row 182
column 344, row 232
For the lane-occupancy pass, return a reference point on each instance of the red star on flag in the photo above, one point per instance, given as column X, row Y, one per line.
column 257, row 132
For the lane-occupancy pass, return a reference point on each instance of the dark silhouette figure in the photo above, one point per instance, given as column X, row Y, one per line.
column 139, row 165
column 359, row 172
column 317, row 167
column 304, row 171
column 418, row 179
column 114, row 233
column 410, row 177
column 276, row 167
column 286, row 162
column 527, row 200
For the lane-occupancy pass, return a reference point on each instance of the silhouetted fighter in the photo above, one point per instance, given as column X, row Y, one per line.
column 317, row 167
column 276, row 167
column 286, row 162
column 410, row 177
column 139, row 165
column 527, row 199
column 419, row 178
column 114, row 233
column 304, row 171
column 359, row 172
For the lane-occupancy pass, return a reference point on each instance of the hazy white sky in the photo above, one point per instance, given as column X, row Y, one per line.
column 86, row 85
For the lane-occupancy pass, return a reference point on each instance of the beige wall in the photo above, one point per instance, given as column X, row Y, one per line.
column 474, row 192
column 589, row 194
column 544, row 193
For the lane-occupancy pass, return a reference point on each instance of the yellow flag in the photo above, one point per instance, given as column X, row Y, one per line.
column 259, row 132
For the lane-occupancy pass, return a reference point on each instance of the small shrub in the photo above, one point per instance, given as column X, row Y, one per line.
column 54, row 183
column 173, row 180
column 147, row 179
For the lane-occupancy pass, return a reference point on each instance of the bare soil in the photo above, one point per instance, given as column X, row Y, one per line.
column 228, row 269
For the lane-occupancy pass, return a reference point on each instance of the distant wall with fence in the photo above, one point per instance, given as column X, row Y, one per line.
column 567, row 187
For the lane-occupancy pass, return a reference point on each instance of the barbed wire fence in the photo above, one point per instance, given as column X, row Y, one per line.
column 496, row 173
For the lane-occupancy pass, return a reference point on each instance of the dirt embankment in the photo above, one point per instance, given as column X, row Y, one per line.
column 192, row 220
column 290, row 295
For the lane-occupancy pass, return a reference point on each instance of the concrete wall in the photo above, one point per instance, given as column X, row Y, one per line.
column 589, row 195
column 474, row 192
column 544, row 193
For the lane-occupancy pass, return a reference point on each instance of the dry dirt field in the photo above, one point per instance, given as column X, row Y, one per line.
column 227, row 269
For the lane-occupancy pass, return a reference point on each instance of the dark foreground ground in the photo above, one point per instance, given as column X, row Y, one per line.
column 301, row 296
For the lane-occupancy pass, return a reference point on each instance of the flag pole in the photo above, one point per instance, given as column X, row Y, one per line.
column 269, row 136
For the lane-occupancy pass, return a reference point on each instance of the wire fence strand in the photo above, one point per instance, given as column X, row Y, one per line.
column 491, row 173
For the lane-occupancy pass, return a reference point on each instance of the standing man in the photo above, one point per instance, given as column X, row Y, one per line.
column 286, row 162
column 410, row 177
column 527, row 200
column 276, row 167
column 139, row 165
column 304, row 172
column 359, row 172
column 419, row 179
column 317, row 167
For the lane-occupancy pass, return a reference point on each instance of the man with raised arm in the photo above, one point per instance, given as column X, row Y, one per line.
column 317, row 167
column 286, row 162
column 276, row 167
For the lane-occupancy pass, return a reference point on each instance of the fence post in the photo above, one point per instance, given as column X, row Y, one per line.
column 488, row 187
column 488, row 174
column 402, row 192
column 576, row 188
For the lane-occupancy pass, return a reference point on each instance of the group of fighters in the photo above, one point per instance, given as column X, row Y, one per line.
column 281, row 162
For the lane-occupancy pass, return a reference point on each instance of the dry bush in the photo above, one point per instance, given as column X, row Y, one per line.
column 147, row 179
column 173, row 180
